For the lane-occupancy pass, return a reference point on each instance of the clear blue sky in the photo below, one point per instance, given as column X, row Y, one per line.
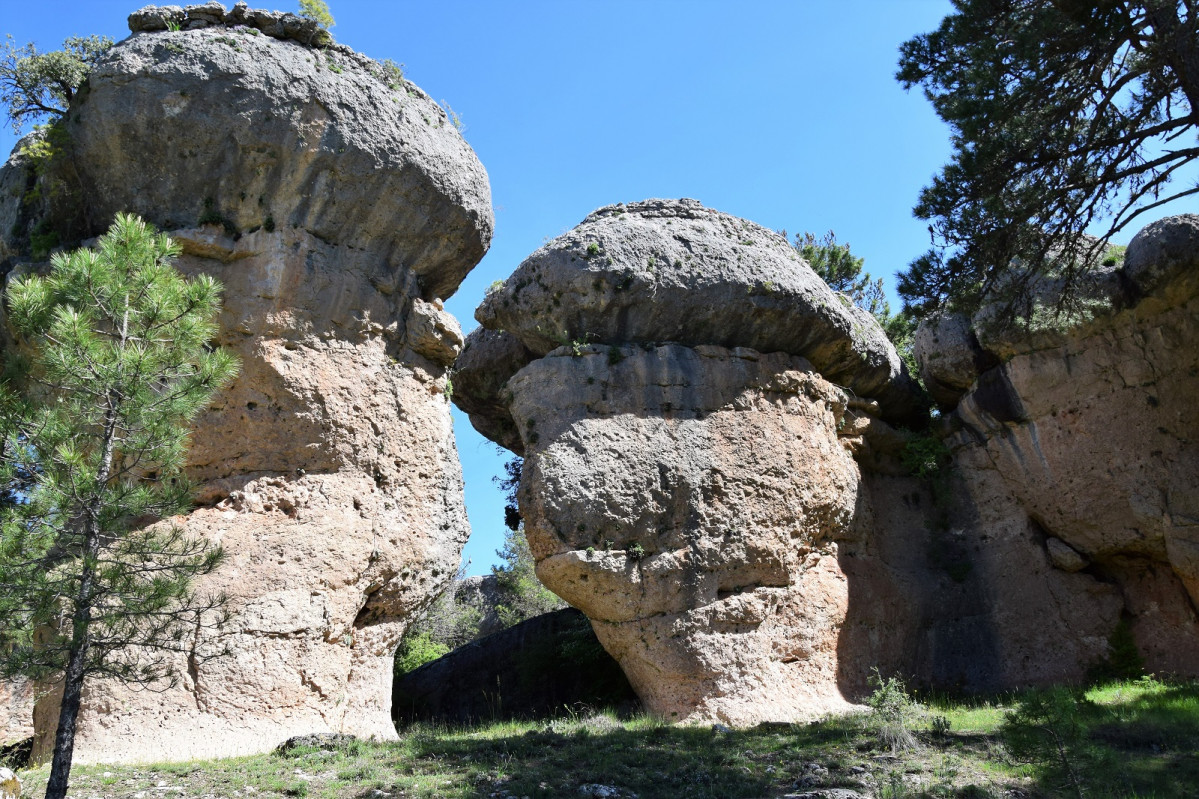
column 785, row 112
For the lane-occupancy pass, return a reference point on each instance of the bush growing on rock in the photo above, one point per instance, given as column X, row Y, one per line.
column 36, row 86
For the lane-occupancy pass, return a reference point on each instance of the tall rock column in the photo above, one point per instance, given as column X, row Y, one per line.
column 337, row 205
column 666, row 371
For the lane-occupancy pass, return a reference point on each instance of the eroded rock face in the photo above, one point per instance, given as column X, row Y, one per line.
column 336, row 210
column 16, row 711
column 688, row 500
column 324, row 140
column 1087, row 431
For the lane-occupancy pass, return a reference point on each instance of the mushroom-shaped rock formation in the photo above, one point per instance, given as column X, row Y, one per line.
column 688, row 500
column 337, row 205
column 668, row 373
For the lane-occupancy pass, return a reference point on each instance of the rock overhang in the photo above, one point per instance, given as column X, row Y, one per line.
column 233, row 120
column 675, row 271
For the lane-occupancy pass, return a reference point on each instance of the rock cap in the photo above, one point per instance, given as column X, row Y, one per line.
column 676, row 271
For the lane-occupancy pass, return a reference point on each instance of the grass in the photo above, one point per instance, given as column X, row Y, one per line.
column 1138, row 739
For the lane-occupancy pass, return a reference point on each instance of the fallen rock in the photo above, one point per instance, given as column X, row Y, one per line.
column 689, row 501
column 1063, row 556
column 675, row 271
column 335, row 210
column 325, row 741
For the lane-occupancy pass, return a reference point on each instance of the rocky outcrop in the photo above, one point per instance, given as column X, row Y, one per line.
column 1083, row 438
column 532, row 669
column 688, row 475
column 337, row 207
column 688, row 500
column 16, row 705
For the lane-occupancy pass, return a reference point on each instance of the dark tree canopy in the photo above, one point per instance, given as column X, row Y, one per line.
column 1064, row 114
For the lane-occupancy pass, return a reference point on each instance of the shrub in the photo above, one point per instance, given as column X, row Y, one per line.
column 417, row 650
column 892, row 712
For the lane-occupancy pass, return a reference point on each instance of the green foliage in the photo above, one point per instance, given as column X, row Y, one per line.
column 318, row 11
column 844, row 272
column 893, row 714
column 392, row 74
column 1064, row 116
column 1123, row 661
column 926, row 456
column 417, row 650
column 1114, row 255
column 1048, row 728
column 121, row 362
column 36, row 86
column 524, row 595
column 1142, row 743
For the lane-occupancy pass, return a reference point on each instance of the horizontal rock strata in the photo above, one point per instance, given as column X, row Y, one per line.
column 680, row 383
column 337, row 207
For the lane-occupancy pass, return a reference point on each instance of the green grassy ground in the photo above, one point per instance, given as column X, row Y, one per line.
column 1124, row 739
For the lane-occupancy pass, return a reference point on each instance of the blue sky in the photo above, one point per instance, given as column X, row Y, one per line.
column 785, row 112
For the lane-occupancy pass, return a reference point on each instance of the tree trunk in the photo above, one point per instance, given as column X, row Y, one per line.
column 1179, row 46
column 72, row 684
column 72, row 693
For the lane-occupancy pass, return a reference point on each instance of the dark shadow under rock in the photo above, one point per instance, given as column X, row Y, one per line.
column 531, row 670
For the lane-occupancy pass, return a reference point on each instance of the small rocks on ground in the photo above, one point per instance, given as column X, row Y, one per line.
column 10, row 784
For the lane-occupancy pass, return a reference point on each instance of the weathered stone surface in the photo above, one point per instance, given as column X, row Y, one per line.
column 950, row 357
column 1161, row 261
column 10, row 784
column 488, row 361
column 689, row 501
column 251, row 132
column 16, row 711
column 1088, row 430
column 1063, row 556
column 675, row 271
column 531, row 669
column 157, row 18
column 328, row 469
column 482, row 594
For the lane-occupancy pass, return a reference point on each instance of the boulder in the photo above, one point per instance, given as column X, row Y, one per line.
column 152, row 19
column 949, row 356
column 1161, row 260
column 488, row 360
column 336, row 212
column 689, row 501
column 675, row 271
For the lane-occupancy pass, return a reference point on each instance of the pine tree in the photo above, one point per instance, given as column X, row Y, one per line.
column 90, row 584
column 1064, row 116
